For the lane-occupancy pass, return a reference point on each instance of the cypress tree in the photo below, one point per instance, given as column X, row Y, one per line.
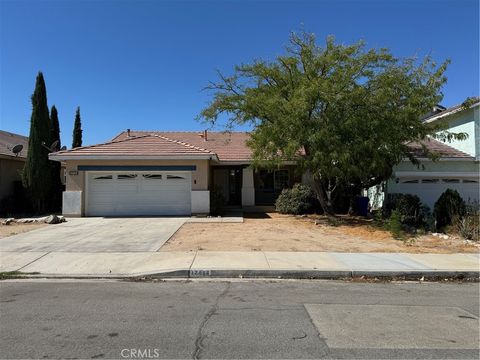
column 77, row 130
column 55, row 130
column 37, row 173
column 57, row 186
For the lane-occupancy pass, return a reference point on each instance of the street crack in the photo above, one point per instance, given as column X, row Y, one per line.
column 200, row 336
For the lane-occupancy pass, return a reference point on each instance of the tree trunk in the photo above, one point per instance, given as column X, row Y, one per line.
column 323, row 197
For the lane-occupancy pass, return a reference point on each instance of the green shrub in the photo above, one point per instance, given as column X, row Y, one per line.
column 297, row 200
column 410, row 209
column 217, row 201
column 394, row 225
column 448, row 206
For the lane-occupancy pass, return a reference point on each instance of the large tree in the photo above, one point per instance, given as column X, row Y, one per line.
column 55, row 165
column 344, row 113
column 77, row 130
column 37, row 173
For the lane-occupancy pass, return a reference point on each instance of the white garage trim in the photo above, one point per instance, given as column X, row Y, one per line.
column 437, row 174
column 137, row 193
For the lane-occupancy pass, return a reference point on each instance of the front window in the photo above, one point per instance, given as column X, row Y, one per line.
column 280, row 179
column 273, row 180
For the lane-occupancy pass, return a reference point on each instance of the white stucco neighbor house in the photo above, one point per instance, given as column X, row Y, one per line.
column 458, row 166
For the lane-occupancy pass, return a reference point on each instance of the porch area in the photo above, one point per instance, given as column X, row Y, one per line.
column 244, row 188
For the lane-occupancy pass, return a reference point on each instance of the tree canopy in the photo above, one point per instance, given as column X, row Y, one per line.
column 344, row 113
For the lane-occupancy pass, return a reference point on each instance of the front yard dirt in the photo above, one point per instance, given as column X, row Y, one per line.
column 275, row 232
column 16, row 228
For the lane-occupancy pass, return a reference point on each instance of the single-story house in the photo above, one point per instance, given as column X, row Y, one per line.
column 11, row 163
column 166, row 173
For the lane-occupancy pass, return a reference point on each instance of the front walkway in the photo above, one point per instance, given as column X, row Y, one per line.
column 234, row 264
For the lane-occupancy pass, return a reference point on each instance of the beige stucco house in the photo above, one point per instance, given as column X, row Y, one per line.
column 166, row 173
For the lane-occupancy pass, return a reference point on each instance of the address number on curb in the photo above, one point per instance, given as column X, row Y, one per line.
column 199, row 273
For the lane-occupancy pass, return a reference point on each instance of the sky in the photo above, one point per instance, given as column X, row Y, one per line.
column 143, row 64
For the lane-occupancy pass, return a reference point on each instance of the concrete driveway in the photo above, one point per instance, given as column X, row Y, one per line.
column 92, row 235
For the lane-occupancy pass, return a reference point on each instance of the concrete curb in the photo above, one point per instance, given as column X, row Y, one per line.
column 274, row 274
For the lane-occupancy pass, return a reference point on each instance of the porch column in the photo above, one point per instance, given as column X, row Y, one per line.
column 248, row 188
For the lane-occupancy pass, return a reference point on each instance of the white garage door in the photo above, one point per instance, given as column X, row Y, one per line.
column 429, row 190
column 138, row 193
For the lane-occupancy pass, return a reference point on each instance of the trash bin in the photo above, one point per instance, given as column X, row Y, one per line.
column 362, row 205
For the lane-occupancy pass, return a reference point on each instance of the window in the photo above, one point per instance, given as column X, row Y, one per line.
column 152, row 176
column 265, row 180
column 103, row 177
column 175, row 177
column 410, row 182
column 126, row 176
column 429, row 181
column 281, row 179
column 470, row 181
column 273, row 180
column 451, row 181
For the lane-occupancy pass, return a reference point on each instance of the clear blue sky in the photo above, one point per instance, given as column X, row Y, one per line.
column 142, row 64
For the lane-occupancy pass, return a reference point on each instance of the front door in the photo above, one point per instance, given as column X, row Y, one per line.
column 234, row 186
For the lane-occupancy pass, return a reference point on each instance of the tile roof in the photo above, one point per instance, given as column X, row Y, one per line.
column 437, row 147
column 228, row 146
column 8, row 140
column 143, row 145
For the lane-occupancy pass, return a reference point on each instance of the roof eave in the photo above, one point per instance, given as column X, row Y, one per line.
column 69, row 157
column 448, row 113
column 443, row 158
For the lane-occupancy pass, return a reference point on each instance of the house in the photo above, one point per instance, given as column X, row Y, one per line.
column 174, row 173
column 166, row 173
column 11, row 163
column 458, row 166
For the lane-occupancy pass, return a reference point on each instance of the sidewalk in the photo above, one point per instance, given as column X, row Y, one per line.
column 240, row 264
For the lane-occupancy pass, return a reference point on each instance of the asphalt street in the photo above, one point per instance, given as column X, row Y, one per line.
column 238, row 319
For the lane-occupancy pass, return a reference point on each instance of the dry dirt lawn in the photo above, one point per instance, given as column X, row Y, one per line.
column 14, row 228
column 275, row 232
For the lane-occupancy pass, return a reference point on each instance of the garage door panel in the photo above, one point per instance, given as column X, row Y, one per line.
column 130, row 194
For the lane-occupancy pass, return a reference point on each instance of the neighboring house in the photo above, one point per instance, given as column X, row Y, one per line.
column 173, row 173
column 11, row 165
column 457, row 168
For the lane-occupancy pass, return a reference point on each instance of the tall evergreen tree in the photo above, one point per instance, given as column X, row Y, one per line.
column 77, row 130
column 55, row 130
column 56, row 166
column 37, row 173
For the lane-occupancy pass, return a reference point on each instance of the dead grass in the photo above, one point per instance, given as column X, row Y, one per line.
column 289, row 233
column 15, row 228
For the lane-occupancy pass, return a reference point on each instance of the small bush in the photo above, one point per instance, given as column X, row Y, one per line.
column 410, row 209
column 468, row 226
column 217, row 201
column 394, row 225
column 449, row 205
column 297, row 200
